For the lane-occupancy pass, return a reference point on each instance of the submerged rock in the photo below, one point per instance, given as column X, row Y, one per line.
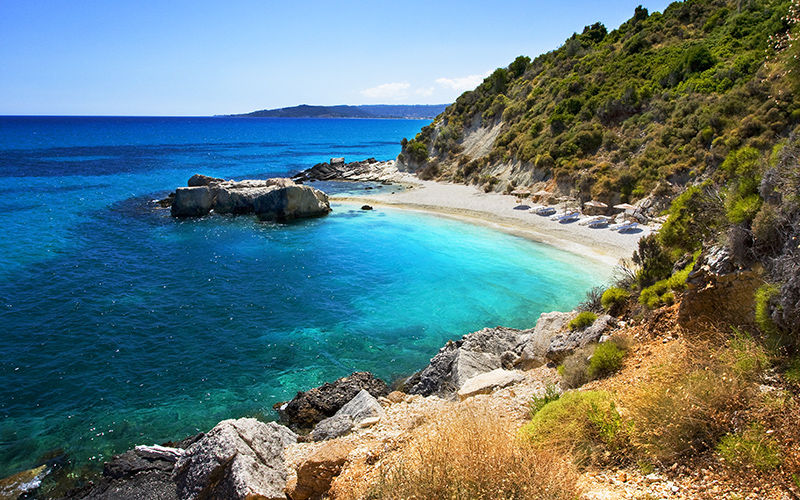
column 15, row 486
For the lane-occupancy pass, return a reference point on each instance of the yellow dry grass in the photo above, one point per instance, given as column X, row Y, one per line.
column 470, row 453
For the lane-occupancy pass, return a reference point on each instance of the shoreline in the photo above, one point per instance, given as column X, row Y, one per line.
column 502, row 212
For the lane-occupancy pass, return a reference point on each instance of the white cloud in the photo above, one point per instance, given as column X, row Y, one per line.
column 462, row 84
column 387, row 90
column 425, row 92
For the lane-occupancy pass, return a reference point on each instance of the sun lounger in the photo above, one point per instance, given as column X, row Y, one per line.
column 543, row 211
column 567, row 217
column 625, row 227
column 599, row 222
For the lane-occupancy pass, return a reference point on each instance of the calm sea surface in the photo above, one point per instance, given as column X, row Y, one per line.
column 121, row 326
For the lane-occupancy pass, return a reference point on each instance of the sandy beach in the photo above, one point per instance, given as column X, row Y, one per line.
column 504, row 213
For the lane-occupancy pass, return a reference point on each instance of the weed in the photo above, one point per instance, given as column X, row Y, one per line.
column 582, row 320
column 750, row 448
column 538, row 402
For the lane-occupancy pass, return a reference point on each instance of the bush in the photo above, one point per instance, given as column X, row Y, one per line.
column 614, row 298
column 764, row 296
column 654, row 259
column 582, row 320
column 583, row 423
column 607, row 359
column 750, row 448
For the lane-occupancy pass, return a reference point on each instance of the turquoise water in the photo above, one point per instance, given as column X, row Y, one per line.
column 122, row 326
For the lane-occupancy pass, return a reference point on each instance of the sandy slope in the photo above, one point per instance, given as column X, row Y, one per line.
column 502, row 212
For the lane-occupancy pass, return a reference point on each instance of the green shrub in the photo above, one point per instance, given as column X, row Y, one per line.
column 607, row 359
column 582, row 320
column 613, row 299
column 584, row 422
column 750, row 448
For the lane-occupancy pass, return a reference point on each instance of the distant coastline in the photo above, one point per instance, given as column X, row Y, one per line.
column 409, row 111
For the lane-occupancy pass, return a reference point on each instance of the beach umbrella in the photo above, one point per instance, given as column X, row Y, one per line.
column 542, row 193
column 521, row 192
column 625, row 206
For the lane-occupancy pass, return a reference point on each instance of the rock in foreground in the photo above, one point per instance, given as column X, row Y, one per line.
column 272, row 199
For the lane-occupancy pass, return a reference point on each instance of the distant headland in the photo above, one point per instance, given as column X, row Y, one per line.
column 344, row 111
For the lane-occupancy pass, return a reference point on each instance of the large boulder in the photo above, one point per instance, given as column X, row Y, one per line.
column 291, row 202
column 455, row 363
column 308, row 408
column 536, row 344
column 485, row 383
column 237, row 459
column 192, row 202
column 361, row 407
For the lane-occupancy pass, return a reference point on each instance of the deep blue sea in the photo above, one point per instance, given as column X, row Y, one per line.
column 120, row 325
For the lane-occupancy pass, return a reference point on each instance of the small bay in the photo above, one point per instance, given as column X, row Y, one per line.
column 123, row 326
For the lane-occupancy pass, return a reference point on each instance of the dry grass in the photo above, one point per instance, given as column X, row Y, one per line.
column 469, row 453
column 694, row 398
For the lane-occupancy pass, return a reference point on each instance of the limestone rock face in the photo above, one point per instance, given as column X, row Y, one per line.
column 476, row 353
column 536, row 344
column 315, row 474
column 488, row 382
column 237, row 459
column 564, row 344
column 308, row 408
column 192, row 202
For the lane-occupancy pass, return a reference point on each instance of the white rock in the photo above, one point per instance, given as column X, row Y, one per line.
column 487, row 382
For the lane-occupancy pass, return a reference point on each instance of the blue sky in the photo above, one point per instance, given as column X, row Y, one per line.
column 166, row 57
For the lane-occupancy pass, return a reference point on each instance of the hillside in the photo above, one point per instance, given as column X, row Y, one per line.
column 362, row 111
column 610, row 115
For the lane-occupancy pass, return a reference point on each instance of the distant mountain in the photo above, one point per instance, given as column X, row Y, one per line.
column 363, row 111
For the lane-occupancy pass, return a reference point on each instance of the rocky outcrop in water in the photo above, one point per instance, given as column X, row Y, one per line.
column 369, row 170
column 308, row 408
column 277, row 199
